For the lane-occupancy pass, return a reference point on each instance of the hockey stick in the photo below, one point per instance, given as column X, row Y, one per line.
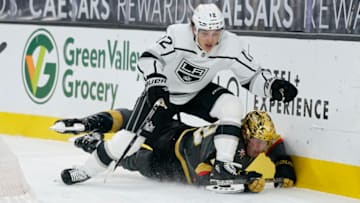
column 244, row 181
column 3, row 46
column 159, row 103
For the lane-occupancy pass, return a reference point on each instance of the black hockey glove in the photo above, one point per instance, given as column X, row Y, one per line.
column 283, row 90
column 284, row 173
column 156, row 88
column 100, row 122
column 75, row 126
column 89, row 142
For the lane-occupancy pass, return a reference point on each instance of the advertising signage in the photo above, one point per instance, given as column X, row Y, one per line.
column 325, row 17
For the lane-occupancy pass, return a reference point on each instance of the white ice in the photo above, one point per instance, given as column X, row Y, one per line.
column 43, row 160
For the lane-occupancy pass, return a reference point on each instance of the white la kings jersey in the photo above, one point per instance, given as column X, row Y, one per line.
column 189, row 69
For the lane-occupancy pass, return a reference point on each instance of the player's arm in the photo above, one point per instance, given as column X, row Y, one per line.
column 153, row 59
column 258, row 80
column 151, row 65
column 102, row 122
column 284, row 166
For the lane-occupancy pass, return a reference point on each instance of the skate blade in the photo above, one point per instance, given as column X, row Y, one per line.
column 226, row 189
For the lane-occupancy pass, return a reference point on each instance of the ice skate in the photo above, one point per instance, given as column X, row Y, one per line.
column 74, row 175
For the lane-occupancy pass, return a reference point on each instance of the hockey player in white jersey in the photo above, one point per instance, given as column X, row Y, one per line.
column 179, row 68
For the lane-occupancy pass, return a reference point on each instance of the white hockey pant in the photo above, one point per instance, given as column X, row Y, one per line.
column 112, row 150
column 228, row 110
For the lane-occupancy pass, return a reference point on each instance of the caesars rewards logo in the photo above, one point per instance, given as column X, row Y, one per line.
column 40, row 66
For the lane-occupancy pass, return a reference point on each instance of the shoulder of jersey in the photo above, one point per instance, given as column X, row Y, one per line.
column 181, row 34
column 231, row 44
column 231, row 38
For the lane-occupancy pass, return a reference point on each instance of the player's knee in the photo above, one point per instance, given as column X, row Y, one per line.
column 144, row 160
column 227, row 108
column 120, row 141
column 140, row 161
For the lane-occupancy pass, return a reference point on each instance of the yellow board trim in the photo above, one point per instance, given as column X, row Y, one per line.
column 29, row 126
column 325, row 176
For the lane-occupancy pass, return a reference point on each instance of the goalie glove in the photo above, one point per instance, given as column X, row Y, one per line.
column 284, row 173
column 156, row 88
column 283, row 90
column 256, row 182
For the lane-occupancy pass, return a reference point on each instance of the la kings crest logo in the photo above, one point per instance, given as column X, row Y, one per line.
column 190, row 73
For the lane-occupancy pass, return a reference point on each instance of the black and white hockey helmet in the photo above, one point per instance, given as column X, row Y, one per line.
column 208, row 17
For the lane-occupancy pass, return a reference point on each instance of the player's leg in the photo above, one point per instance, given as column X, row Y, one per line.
column 228, row 110
column 124, row 143
column 217, row 103
column 108, row 151
column 100, row 159
column 102, row 122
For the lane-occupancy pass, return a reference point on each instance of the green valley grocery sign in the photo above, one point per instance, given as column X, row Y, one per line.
column 40, row 66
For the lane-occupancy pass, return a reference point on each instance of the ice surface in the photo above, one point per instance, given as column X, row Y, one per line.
column 43, row 160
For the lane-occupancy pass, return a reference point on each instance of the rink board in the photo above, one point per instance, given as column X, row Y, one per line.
column 49, row 74
column 325, row 176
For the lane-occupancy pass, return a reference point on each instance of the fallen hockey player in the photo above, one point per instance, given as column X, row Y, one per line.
column 180, row 152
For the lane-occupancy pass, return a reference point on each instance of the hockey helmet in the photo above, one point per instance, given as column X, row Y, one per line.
column 208, row 17
column 258, row 124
